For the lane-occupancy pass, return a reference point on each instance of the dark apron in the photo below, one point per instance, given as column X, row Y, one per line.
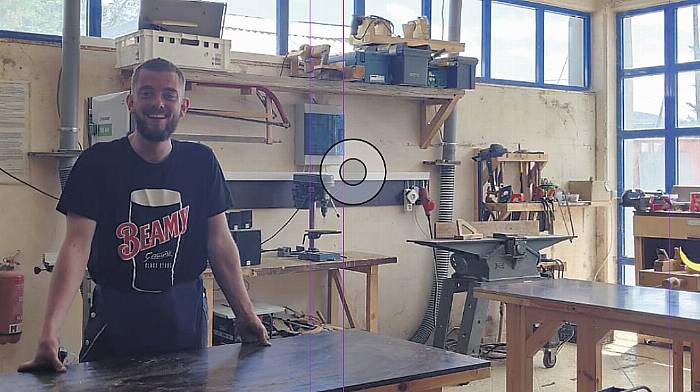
column 131, row 323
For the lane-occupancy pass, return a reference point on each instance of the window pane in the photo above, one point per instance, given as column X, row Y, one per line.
column 689, row 160
column 251, row 27
column 37, row 16
column 120, row 17
column 628, row 275
column 317, row 22
column 470, row 28
column 397, row 11
column 644, row 164
column 643, row 102
column 643, row 40
column 688, row 35
column 512, row 42
column 688, row 99
column 629, row 232
column 563, row 49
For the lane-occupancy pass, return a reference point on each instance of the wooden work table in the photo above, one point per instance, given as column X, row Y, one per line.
column 328, row 361
column 595, row 308
column 662, row 229
column 366, row 263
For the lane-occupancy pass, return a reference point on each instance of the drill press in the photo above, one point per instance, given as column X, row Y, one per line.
column 503, row 258
column 309, row 191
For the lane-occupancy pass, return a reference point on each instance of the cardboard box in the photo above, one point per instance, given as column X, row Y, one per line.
column 590, row 190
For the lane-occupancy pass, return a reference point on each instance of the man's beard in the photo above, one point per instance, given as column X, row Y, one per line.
column 153, row 134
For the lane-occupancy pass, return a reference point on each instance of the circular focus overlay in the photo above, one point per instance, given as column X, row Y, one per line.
column 353, row 166
column 362, row 172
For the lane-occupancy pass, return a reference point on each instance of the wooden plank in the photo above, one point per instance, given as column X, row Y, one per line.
column 341, row 293
column 208, row 281
column 519, row 364
column 522, row 157
column 329, row 297
column 436, row 383
column 527, row 227
column 677, row 364
column 436, row 45
column 271, row 264
column 429, row 130
column 544, row 332
column 305, row 85
column 695, row 366
column 589, row 358
column 675, row 227
column 372, row 300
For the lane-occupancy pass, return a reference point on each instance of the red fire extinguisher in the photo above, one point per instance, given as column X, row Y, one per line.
column 11, row 295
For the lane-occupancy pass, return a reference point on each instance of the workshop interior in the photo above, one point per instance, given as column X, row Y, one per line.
column 426, row 195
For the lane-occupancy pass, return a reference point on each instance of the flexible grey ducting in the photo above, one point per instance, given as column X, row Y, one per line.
column 70, row 79
column 447, row 196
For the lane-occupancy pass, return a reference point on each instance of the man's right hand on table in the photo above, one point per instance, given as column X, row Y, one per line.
column 46, row 358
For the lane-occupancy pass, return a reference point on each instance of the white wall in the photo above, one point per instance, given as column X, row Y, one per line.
column 560, row 123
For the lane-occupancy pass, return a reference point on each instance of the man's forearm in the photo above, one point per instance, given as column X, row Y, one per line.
column 65, row 281
column 226, row 266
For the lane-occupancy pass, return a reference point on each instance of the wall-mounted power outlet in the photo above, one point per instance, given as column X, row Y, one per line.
column 410, row 197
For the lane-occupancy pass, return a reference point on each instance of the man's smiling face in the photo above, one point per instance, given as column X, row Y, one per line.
column 157, row 102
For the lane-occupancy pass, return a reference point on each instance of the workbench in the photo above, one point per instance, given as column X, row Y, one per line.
column 271, row 264
column 666, row 230
column 595, row 308
column 328, row 361
column 663, row 229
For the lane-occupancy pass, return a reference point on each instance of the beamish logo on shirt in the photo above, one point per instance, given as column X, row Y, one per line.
column 148, row 236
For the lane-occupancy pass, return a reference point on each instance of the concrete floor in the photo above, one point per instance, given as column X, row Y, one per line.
column 625, row 364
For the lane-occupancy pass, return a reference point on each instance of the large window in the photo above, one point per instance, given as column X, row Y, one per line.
column 43, row 17
column 317, row 22
column 397, row 11
column 658, row 100
column 522, row 43
column 515, row 41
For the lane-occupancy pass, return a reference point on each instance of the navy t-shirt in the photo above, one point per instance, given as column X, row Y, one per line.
column 151, row 218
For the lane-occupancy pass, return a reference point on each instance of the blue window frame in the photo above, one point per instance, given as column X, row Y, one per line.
column 549, row 48
column 658, row 102
column 576, row 61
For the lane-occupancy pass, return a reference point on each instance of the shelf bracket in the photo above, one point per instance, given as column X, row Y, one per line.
column 430, row 128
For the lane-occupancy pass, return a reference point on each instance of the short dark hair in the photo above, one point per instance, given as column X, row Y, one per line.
column 158, row 65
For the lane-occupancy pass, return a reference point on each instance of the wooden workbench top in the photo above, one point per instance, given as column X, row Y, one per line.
column 674, row 214
column 329, row 361
column 271, row 264
column 669, row 304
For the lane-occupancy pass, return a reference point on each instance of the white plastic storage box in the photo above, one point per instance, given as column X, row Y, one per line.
column 185, row 50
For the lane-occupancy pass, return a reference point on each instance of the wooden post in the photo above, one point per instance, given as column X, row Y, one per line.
column 519, row 364
column 208, row 280
column 589, row 357
column 677, row 363
column 329, row 298
column 372, row 299
column 341, row 293
column 695, row 366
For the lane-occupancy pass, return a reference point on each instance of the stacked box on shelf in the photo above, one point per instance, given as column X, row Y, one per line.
column 376, row 63
column 185, row 50
column 452, row 72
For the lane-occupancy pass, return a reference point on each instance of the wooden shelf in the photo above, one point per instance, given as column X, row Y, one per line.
column 537, row 207
column 448, row 46
column 54, row 154
column 309, row 85
column 522, row 157
column 445, row 99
